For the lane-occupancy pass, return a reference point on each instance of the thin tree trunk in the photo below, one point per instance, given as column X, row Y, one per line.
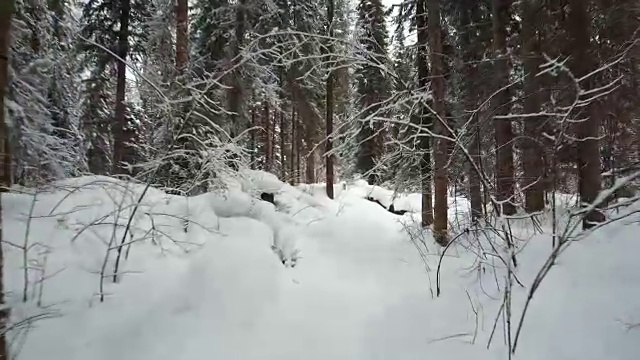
column 533, row 154
column 475, row 189
column 266, row 121
column 586, row 132
column 254, row 144
column 283, row 133
column 502, row 106
column 298, row 153
column 308, row 120
column 469, row 69
column 181, row 63
column 438, row 85
column 329, row 116
column 283, row 137
column 294, row 149
column 636, row 135
column 6, row 12
column 423, row 116
column 311, row 156
column 182, row 35
column 609, row 152
column 272, row 141
column 121, row 132
column 236, row 97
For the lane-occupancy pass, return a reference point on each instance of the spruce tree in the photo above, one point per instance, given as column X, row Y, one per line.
column 371, row 83
column 110, row 29
column 42, row 94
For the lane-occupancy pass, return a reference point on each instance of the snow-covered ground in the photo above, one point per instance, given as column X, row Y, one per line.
column 353, row 284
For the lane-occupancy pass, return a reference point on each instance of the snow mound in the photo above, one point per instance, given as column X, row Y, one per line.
column 254, row 182
column 198, row 278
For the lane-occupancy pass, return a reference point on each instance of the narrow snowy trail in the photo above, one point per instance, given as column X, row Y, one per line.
column 360, row 290
column 353, row 295
column 326, row 308
column 233, row 299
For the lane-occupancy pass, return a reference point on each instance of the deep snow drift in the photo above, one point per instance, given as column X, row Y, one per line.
column 203, row 278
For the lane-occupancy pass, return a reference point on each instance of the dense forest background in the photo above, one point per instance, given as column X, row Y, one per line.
column 507, row 100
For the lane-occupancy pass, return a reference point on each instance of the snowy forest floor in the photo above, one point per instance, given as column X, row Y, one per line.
column 360, row 288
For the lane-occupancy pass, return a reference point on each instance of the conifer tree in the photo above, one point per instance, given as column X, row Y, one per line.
column 111, row 29
column 371, row 83
column 42, row 94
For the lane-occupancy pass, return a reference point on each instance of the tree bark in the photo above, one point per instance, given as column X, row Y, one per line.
column 586, row 132
column 182, row 35
column 329, row 104
column 236, row 97
column 294, row 143
column 470, row 58
column 253, row 138
column 475, row 188
column 438, row 86
column 121, row 132
column 298, row 149
column 268, row 138
column 502, row 106
column 423, row 117
column 533, row 153
column 310, row 172
column 283, row 141
column 308, row 120
column 6, row 12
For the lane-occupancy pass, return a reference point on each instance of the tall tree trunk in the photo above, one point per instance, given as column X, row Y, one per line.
column 502, row 106
column 121, row 132
column 533, row 154
column 283, row 142
column 6, row 12
column 294, row 148
column 423, row 117
column 298, row 160
column 438, row 85
column 309, row 119
column 636, row 137
column 298, row 150
column 181, row 62
column 470, row 57
column 253, row 140
column 236, row 90
column 182, row 35
column 329, row 104
column 475, row 188
column 268, row 148
column 586, row 132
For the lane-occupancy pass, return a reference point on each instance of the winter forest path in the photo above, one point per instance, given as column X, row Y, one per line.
column 360, row 290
